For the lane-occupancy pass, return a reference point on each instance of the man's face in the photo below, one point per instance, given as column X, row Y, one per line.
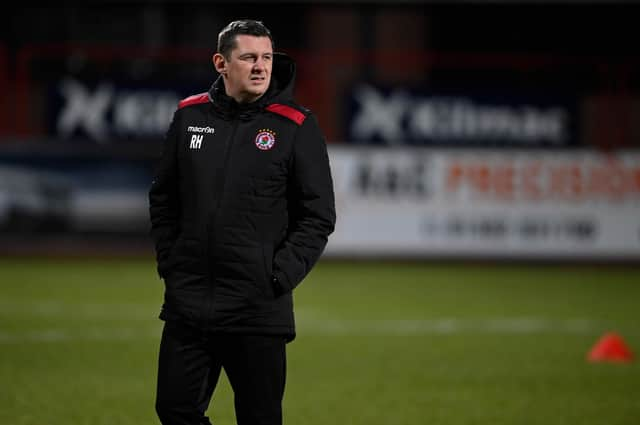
column 248, row 70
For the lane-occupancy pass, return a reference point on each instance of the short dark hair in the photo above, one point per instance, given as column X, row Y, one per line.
column 227, row 37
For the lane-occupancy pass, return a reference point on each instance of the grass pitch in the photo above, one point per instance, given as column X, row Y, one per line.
column 378, row 343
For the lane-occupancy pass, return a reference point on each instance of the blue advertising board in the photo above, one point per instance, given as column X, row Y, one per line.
column 107, row 111
column 379, row 115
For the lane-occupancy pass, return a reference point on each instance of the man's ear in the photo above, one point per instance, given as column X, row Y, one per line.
column 220, row 64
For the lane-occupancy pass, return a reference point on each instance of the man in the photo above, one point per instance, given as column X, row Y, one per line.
column 241, row 208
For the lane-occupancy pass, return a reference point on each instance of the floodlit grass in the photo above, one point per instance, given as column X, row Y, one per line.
column 378, row 343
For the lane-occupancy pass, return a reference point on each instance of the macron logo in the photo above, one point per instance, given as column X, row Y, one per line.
column 196, row 139
column 194, row 129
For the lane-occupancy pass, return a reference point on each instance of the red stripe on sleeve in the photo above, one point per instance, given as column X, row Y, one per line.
column 193, row 100
column 288, row 112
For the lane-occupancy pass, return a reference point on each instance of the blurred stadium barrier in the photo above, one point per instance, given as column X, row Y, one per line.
column 465, row 155
column 392, row 203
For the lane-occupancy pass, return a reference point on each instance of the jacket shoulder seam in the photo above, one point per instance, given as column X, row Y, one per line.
column 289, row 112
column 194, row 100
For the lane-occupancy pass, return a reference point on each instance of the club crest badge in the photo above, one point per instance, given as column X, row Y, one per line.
column 265, row 139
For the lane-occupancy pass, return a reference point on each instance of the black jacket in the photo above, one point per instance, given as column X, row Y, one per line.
column 241, row 195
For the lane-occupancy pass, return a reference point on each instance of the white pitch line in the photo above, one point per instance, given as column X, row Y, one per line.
column 53, row 309
column 66, row 335
column 316, row 326
column 311, row 320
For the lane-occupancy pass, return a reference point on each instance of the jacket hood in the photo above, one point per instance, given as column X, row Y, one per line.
column 283, row 77
column 280, row 90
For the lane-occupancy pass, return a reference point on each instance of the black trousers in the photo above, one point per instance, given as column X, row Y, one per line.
column 189, row 365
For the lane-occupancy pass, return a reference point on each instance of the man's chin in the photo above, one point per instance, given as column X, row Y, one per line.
column 255, row 94
column 260, row 90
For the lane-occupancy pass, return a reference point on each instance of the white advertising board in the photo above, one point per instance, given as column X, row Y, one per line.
column 486, row 203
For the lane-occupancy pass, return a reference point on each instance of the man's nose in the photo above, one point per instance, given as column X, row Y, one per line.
column 259, row 65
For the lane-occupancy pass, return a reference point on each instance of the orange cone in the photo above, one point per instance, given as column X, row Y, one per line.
column 610, row 348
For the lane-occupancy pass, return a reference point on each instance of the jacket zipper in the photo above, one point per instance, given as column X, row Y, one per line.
column 218, row 191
